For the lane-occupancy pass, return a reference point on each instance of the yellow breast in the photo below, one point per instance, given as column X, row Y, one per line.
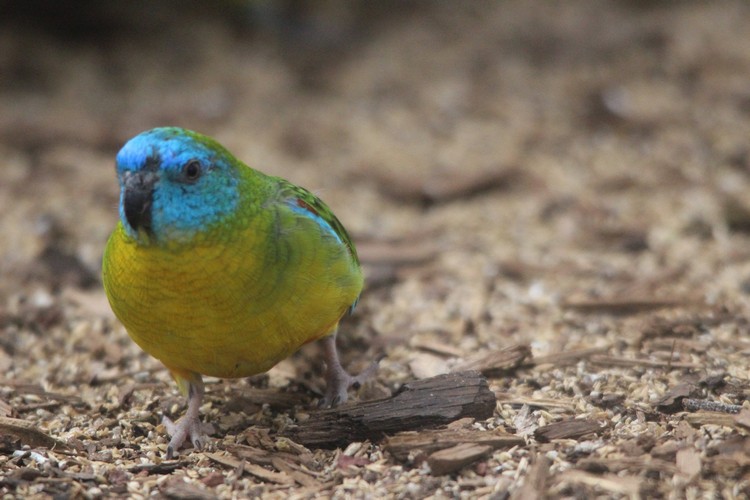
column 231, row 308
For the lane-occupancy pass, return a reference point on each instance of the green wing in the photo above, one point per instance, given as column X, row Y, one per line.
column 304, row 202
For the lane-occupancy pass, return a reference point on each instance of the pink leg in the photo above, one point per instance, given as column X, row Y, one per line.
column 189, row 425
column 338, row 380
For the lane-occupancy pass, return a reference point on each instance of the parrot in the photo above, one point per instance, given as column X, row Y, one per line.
column 217, row 269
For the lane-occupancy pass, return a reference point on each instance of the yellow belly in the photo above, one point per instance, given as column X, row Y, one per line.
column 231, row 309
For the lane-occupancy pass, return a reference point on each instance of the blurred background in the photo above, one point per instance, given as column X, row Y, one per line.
column 626, row 117
column 494, row 161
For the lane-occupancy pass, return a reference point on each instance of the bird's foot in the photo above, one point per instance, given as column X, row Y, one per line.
column 184, row 428
column 180, row 431
column 338, row 382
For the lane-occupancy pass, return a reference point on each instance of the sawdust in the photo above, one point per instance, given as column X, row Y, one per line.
column 554, row 194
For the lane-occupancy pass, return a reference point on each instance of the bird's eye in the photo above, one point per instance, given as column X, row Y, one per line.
column 192, row 170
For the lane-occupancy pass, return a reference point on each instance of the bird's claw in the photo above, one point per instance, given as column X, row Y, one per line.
column 338, row 382
column 181, row 430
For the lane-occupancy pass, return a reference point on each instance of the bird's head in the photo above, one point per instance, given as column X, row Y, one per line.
column 174, row 185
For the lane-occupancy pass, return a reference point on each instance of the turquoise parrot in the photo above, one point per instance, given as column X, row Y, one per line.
column 217, row 269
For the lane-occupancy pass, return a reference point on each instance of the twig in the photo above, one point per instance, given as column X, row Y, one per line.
column 706, row 405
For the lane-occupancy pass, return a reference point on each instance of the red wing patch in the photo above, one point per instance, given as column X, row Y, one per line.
column 303, row 204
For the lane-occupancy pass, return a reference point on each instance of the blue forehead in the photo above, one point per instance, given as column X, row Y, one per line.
column 179, row 210
column 166, row 147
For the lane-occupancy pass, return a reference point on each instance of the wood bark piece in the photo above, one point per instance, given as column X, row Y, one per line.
column 457, row 457
column 568, row 429
column 28, row 434
column 430, row 441
column 649, row 363
column 637, row 464
column 701, row 418
column 535, row 483
column 496, row 362
column 671, row 402
column 418, row 405
column 546, row 403
column 252, row 469
column 447, row 187
column 688, row 462
column 620, row 306
column 611, row 484
column 253, row 397
column 565, row 357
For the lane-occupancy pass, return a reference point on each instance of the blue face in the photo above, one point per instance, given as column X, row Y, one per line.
column 174, row 183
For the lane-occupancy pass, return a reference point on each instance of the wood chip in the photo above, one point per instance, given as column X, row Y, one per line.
column 429, row 441
column 28, row 434
column 401, row 253
column 424, row 365
column 546, row 403
column 443, row 188
column 419, row 404
column 620, row 306
column 671, row 402
column 266, row 457
column 625, row 362
column 158, row 469
column 610, row 483
column 176, row 488
column 689, row 462
column 632, row 464
column 690, row 326
column 5, row 409
column 294, row 472
column 565, row 357
column 496, row 362
column 435, row 346
column 251, row 396
column 569, row 429
column 535, row 483
column 743, row 418
column 456, row 457
column 710, row 418
column 252, row 469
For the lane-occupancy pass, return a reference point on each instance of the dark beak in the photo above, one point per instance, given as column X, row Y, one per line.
column 137, row 197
